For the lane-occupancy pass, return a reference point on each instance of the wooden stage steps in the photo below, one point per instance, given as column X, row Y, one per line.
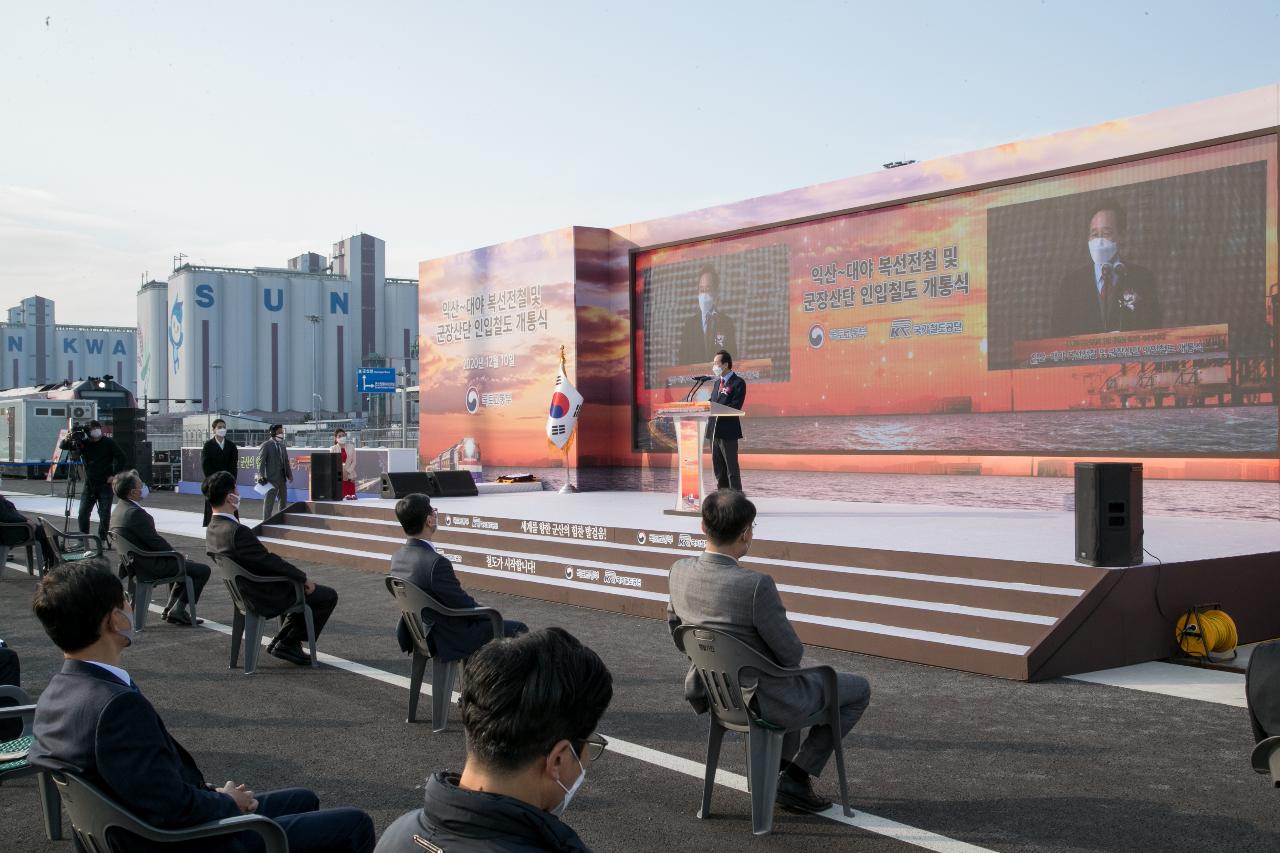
column 1006, row 618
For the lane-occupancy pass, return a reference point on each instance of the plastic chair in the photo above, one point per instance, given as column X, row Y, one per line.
column 71, row 547
column 1262, row 694
column 141, row 588
column 249, row 624
column 720, row 661
column 19, row 767
column 413, row 601
column 93, row 815
column 35, row 560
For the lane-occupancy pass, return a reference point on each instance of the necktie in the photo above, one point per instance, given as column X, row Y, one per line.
column 1107, row 295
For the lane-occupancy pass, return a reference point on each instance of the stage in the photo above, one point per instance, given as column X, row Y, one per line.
column 993, row 591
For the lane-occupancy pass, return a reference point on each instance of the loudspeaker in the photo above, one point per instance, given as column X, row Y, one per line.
column 433, row 484
column 453, row 484
column 1109, row 513
column 326, row 476
column 400, row 483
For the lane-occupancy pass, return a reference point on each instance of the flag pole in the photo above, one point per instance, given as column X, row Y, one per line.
column 568, row 487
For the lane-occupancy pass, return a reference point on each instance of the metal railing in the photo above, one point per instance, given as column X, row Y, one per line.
column 368, row 437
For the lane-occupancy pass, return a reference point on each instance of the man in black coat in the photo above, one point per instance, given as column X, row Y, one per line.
column 218, row 454
column 93, row 721
column 227, row 536
column 137, row 526
column 1110, row 294
column 729, row 389
column 102, row 459
column 710, row 329
column 418, row 562
column 530, row 707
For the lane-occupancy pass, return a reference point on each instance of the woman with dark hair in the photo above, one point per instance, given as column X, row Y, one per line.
column 342, row 445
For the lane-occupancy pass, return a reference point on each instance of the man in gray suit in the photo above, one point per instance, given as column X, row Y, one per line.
column 135, row 524
column 275, row 470
column 713, row 591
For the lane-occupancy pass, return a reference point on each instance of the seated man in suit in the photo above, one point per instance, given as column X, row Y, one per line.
column 713, row 591
column 135, row 524
column 13, row 536
column 226, row 535
column 530, row 708
column 94, row 722
column 420, row 564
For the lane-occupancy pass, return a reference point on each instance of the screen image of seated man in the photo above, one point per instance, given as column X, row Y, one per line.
column 709, row 329
column 1109, row 293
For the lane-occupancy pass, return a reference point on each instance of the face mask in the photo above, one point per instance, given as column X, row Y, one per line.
column 127, row 633
column 279, row 436
column 706, row 302
column 717, row 369
column 572, row 789
column 144, row 491
column 234, row 501
column 342, row 439
column 220, row 432
column 95, row 434
column 1102, row 250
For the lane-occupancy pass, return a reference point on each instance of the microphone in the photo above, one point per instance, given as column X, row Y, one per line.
column 703, row 378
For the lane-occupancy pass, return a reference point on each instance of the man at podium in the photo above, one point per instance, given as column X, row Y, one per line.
column 730, row 390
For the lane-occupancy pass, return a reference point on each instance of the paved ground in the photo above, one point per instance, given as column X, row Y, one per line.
column 1056, row 766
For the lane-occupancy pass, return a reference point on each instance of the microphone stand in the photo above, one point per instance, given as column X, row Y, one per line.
column 697, row 384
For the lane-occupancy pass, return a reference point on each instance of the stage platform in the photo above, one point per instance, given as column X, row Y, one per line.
column 993, row 591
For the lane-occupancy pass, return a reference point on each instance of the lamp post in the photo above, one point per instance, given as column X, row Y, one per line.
column 217, row 386
column 314, row 320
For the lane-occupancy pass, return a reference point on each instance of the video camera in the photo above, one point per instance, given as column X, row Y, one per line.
column 76, row 439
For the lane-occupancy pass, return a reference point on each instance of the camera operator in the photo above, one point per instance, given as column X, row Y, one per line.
column 102, row 459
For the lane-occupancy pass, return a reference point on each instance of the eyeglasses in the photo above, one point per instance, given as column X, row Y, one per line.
column 591, row 747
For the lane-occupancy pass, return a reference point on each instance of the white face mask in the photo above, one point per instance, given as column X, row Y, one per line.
column 127, row 633
column 572, row 789
column 95, row 434
column 143, row 492
column 706, row 302
column 1102, row 250
column 279, row 438
column 233, row 500
column 220, row 432
column 342, row 440
column 717, row 369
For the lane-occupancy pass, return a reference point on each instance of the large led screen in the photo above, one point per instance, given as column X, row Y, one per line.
column 1124, row 309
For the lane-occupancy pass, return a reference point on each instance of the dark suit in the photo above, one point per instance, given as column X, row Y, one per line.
column 713, row 591
column 454, row 637
column 90, row 724
column 214, row 459
column 1080, row 308
column 725, row 432
column 699, row 343
column 136, row 525
column 227, row 536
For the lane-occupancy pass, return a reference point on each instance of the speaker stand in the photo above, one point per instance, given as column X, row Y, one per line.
column 568, row 489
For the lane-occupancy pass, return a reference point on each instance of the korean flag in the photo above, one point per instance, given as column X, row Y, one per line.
column 562, row 417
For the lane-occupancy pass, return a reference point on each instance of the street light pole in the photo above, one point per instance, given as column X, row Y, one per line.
column 314, row 320
column 217, row 386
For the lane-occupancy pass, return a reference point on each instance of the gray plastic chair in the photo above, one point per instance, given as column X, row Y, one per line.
column 1266, row 758
column 71, row 547
column 413, row 601
column 249, row 625
column 19, row 767
column 141, row 589
column 35, row 560
column 94, row 815
column 720, row 660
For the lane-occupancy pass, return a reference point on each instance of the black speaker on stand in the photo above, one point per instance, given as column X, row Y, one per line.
column 1109, row 513
column 326, row 476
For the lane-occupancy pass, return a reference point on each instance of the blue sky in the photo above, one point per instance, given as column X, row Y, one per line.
column 242, row 133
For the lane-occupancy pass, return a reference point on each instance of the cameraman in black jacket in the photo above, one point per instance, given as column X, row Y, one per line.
column 103, row 459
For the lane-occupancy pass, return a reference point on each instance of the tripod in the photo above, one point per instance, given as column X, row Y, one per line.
column 71, row 459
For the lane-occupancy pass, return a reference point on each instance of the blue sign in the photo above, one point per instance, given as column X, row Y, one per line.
column 375, row 380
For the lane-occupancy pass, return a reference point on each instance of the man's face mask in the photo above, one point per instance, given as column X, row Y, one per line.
column 220, row 432
column 706, row 302
column 95, row 434
column 127, row 633
column 572, row 789
column 1102, row 250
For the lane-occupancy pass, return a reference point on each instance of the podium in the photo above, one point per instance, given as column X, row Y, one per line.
column 690, row 419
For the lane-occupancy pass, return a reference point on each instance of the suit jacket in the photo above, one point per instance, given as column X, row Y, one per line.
column 713, row 591
column 9, row 515
column 89, row 724
column 273, row 462
column 699, row 345
column 1136, row 305
column 214, row 459
column 137, row 525
column 454, row 637
column 225, row 536
column 733, row 394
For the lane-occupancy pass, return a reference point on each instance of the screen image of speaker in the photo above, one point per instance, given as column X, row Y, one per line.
column 434, row 484
column 1109, row 513
column 326, row 476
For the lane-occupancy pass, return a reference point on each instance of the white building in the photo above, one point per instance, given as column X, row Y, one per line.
column 37, row 351
column 276, row 341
